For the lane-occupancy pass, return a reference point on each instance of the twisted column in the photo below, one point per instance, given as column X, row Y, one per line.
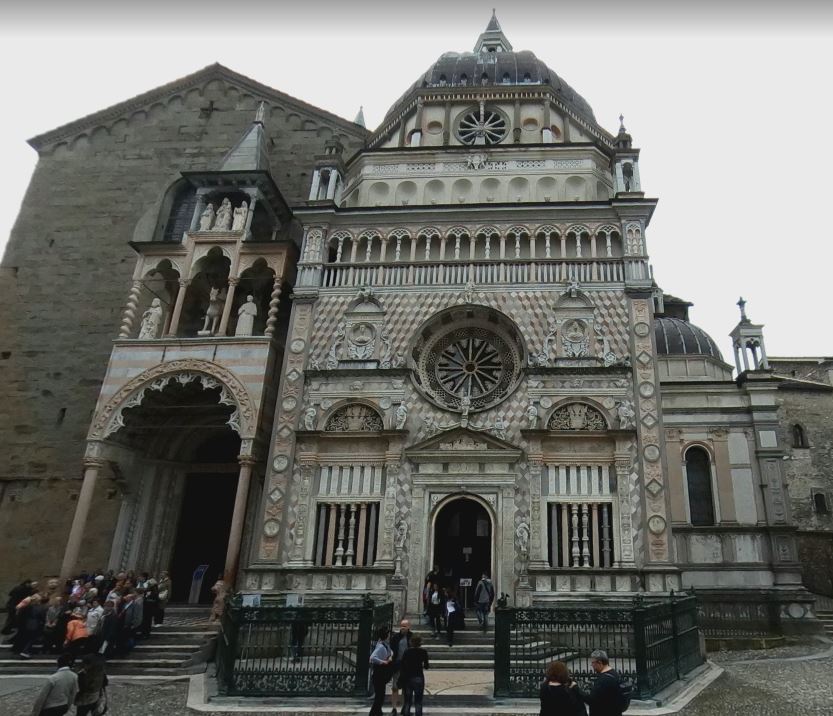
column 274, row 300
column 130, row 310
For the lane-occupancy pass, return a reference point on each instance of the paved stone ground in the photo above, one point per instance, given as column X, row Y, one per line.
column 755, row 684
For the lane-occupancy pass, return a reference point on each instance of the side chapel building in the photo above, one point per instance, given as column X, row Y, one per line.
column 321, row 359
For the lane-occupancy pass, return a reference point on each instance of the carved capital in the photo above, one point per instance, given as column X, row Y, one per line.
column 233, row 280
column 184, row 282
column 249, row 460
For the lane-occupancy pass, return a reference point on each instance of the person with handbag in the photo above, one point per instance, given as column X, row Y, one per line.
column 380, row 662
column 92, row 687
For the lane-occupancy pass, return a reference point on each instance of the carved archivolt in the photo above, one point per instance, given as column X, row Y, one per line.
column 577, row 416
column 232, row 392
column 354, row 417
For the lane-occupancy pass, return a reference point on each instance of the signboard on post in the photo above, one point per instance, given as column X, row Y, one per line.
column 196, row 584
column 465, row 582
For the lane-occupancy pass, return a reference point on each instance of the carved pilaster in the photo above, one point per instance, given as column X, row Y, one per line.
column 130, row 310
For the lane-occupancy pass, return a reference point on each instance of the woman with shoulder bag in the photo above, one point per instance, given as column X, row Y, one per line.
column 380, row 662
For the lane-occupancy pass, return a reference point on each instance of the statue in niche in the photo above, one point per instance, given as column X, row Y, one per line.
column 522, row 533
column 239, row 220
column 310, row 415
column 626, row 415
column 430, row 423
column 207, row 218
column 151, row 320
column 532, row 415
column 332, row 356
column 213, row 313
column 465, row 405
column 246, row 317
column 574, row 339
column 401, row 415
column 223, row 221
column 401, row 536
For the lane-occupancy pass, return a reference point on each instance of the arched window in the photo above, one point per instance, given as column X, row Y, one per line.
column 699, row 479
column 799, row 436
column 464, row 79
column 506, row 78
column 820, row 503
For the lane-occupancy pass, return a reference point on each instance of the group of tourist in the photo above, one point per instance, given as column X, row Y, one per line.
column 442, row 608
column 401, row 661
column 104, row 613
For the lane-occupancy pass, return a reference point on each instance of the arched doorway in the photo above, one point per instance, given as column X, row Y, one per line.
column 463, row 545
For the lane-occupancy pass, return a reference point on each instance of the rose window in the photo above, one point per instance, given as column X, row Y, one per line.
column 473, row 362
column 482, row 126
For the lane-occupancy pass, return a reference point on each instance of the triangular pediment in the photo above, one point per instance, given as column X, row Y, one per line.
column 462, row 443
column 123, row 110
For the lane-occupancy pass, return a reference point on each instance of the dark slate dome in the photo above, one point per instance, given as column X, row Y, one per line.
column 675, row 336
column 495, row 64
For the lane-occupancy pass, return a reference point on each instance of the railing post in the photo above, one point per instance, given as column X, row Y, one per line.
column 639, row 648
column 675, row 634
column 231, row 627
column 503, row 620
column 363, row 648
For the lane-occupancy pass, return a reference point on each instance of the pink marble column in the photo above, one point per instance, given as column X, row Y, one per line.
column 82, row 510
column 237, row 519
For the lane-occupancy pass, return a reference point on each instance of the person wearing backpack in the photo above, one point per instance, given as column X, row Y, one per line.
column 484, row 595
column 610, row 694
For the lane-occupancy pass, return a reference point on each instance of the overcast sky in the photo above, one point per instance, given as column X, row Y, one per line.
column 730, row 102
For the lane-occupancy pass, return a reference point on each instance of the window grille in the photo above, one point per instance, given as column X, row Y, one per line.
column 347, row 534
column 580, row 534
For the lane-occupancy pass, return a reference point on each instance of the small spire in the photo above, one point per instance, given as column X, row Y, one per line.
column 492, row 38
column 622, row 123
column 360, row 117
column 742, row 305
column 260, row 115
column 494, row 25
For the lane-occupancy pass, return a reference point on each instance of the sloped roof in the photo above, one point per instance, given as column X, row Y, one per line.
column 196, row 79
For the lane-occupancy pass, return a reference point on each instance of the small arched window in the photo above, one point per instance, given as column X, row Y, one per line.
column 443, row 81
column 484, row 78
column 699, row 481
column 820, row 503
column 506, row 78
column 799, row 436
column 464, row 78
column 527, row 78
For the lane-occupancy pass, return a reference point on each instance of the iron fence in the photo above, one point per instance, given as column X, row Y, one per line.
column 274, row 650
column 650, row 643
column 744, row 615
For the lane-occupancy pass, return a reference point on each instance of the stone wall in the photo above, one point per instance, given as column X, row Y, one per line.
column 67, row 269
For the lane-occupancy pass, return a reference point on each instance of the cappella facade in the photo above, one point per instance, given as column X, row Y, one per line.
column 349, row 358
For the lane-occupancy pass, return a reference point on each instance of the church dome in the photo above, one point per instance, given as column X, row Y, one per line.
column 494, row 64
column 674, row 336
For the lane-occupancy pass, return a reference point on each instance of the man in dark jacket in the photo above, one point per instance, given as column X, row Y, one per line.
column 16, row 595
column 605, row 697
column 484, row 595
column 399, row 644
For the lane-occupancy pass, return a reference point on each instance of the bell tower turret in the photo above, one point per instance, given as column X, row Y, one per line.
column 626, row 164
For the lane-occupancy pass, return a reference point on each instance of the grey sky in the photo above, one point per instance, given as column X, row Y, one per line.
column 729, row 103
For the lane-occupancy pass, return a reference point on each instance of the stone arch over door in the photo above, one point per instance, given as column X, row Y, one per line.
column 489, row 506
column 109, row 419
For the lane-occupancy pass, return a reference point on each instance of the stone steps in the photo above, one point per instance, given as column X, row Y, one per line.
column 826, row 618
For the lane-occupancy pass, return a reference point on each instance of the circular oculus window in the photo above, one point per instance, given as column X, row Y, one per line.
column 474, row 360
column 482, row 125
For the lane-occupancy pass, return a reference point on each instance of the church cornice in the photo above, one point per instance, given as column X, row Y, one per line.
column 216, row 71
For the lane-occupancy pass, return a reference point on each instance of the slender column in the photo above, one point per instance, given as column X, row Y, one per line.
column 79, row 520
column 342, row 525
column 351, row 532
column 232, row 288
column 274, row 300
column 565, row 535
column 574, row 525
column 563, row 247
column 609, row 248
column 339, row 249
column 456, row 247
column 331, row 535
column 331, row 184
column 518, row 246
column 547, row 247
column 354, row 248
column 585, row 536
column 605, row 535
column 595, row 523
column 130, row 310
column 383, row 251
column 593, row 247
column 369, row 251
column 502, row 247
column 316, row 182
column 360, row 550
column 180, row 300
column 238, row 517
column 578, row 245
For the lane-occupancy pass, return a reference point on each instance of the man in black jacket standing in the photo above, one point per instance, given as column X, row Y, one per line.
column 399, row 644
column 16, row 595
column 605, row 697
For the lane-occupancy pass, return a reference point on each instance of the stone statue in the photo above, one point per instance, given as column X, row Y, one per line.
column 151, row 320
column 532, row 415
column 212, row 314
column 465, row 405
column 310, row 415
column 500, row 427
column 522, row 533
column 332, row 356
column 246, row 317
column 207, row 218
column 430, row 423
column 239, row 220
column 401, row 536
column 626, row 414
column 223, row 221
column 401, row 416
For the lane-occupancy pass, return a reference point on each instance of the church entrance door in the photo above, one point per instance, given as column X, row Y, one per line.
column 463, row 546
column 203, row 532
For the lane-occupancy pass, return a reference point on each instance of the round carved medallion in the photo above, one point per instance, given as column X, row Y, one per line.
column 471, row 363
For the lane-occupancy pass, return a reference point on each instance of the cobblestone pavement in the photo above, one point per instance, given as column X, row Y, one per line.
column 755, row 684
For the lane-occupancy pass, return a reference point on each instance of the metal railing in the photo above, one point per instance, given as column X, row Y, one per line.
column 650, row 643
column 274, row 650
column 744, row 615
